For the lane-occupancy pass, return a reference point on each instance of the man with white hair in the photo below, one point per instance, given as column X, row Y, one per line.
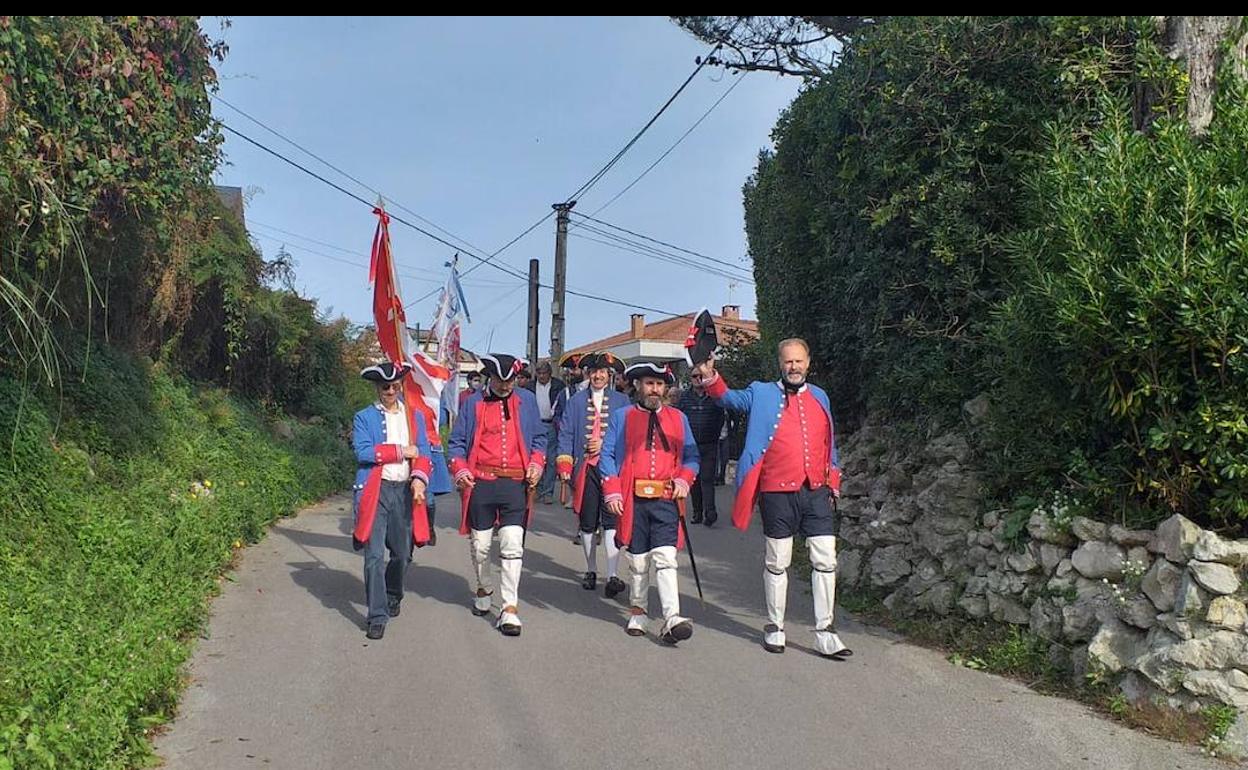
column 789, row 467
column 392, row 473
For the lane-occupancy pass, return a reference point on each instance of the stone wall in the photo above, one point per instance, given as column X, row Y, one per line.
column 1160, row 610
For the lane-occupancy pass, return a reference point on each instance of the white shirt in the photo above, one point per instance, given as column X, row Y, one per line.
column 543, row 399
column 396, row 433
column 597, row 396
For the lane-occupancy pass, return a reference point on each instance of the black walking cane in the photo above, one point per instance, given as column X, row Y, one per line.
column 693, row 563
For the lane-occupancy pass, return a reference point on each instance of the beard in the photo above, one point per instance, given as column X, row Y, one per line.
column 651, row 402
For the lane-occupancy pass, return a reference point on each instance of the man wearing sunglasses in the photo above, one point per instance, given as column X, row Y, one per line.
column 392, row 452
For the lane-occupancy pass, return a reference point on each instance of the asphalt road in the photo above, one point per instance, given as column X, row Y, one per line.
column 286, row 679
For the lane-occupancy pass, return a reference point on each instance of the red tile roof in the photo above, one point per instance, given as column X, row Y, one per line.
column 674, row 329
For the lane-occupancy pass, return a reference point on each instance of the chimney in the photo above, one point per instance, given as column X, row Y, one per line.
column 731, row 312
column 638, row 327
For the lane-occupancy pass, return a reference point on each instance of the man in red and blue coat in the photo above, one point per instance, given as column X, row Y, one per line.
column 497, row 450
column 573, row 383
column 789, row 468
column 581, row 432
column 649, row 460
column 392, row 452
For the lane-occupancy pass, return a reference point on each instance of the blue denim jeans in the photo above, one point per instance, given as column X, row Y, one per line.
column 546, row 486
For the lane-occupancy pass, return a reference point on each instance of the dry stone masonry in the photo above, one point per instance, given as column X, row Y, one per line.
column 1162, row 610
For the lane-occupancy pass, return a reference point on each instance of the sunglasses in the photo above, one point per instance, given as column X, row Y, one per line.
column 391, row 386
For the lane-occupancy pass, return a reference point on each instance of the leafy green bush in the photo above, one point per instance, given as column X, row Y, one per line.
column 106, row 132
column 110, row 546
column 1014, row 206
column 876, row 225
column 1133, row 278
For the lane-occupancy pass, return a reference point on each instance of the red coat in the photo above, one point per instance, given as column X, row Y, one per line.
column 626, row 457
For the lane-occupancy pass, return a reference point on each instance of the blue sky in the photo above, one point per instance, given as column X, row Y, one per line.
column 479, row 125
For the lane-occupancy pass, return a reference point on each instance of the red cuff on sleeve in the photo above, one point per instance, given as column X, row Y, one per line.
column 422, row 466
column 611, row 486
column 717, row 387
column 388, row 453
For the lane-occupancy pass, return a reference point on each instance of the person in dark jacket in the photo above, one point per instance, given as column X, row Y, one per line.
column 547, row 388
column 706, row 418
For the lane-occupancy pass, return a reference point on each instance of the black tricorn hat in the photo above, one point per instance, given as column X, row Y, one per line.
column 702, row 339
column 603, row 360
column 386, row 371
column 650, row 369
column 502, row 365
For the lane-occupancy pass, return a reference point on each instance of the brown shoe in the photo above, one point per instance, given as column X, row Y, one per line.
column 481, row 605
column 636, row 622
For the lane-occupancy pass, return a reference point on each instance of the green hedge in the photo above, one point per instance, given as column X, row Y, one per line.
column 125, row 497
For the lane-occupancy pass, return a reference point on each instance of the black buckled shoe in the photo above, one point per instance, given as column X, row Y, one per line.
column 773, row 639
column 678, row 632
column 590, row 581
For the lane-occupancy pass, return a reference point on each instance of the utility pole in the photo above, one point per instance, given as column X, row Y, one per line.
column 534, row 316
column 557, row 310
